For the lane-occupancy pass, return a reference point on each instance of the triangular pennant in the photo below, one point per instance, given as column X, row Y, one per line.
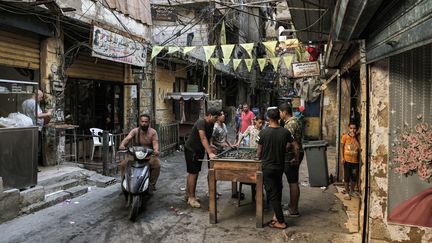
column 173, row 49
column 248, row 47
column 187, row 49
column 291, row 43
column 214, row 61
column 288, row 60
column 301, row 54
column 236, row 63
column 227, row 50
column 275, row 62
column 261, row 63
column 249, row 63
column 155, row 51
column 223, row 34
column 270, row 47
column 226, row 61
column 208, row 51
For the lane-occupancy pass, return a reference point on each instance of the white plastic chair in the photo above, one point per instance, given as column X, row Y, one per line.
column 97, row 140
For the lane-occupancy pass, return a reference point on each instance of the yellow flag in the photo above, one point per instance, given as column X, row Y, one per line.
column 261, row 63
column 208, row 51
column 173, row 49
column 270, row 47
column 236, row 63
column 249, row 63
column 300, row 53
column 226, row 61
column 275, row 62
column 248, row 47
column 291, row 43
column 155, row 51
column 187, row 49
column 223, row 34
column 227, row 50
column 214, row 61
column 288, row 60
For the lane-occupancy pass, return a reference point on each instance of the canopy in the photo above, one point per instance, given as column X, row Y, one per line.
column 187, row 96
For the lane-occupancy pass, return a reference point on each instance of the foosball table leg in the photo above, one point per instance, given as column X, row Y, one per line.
column 234, row 191
column 259, row 199
column 212, row 196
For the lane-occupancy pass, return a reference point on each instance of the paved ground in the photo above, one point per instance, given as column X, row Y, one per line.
column 99, row 216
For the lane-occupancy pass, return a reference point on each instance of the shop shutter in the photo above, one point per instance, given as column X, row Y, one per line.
column 19, row 49
column 87, row 67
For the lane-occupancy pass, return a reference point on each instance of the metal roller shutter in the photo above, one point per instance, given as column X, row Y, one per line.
column 87, row 67
column 19, row 50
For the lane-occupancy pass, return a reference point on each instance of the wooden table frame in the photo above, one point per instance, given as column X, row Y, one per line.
column 235, row 170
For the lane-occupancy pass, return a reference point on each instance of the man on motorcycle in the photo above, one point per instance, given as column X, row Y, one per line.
column 147, row 137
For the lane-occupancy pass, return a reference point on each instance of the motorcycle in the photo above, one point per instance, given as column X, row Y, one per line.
column 135, row 182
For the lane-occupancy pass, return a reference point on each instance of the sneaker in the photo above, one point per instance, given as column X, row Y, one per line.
column 347, row 197
column 193, row 202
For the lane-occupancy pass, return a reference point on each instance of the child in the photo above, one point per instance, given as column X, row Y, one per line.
column 252, row 131
column 350, row 150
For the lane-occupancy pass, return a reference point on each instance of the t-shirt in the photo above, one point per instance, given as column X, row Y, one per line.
column 194, row 141
column 351, row 148
column 293, row 126
column 252, row 132
column 28, row 107
column 147, row 139
column 219, row 134
column 274, row 141
column 246, row 120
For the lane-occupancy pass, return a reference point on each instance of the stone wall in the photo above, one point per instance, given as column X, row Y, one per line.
column 330, row 113
column 378, row 227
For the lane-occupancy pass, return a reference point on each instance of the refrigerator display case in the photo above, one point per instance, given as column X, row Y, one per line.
column 18, row 142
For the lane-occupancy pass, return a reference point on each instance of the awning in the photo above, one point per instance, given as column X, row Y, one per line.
column 187, row 96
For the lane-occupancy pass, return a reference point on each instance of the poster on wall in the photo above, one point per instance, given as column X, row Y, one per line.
column 114, row 47
column 305, row 69
column 163, row 13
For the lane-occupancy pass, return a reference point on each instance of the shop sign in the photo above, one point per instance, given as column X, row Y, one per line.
column 111, row 46
column 305, row 69
column 163, row 13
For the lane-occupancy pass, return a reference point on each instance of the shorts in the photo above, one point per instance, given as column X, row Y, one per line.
column 292, row 171
column 193, row 165
column 351, row 171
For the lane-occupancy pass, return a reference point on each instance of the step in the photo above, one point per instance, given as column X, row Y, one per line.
column 62, row 185
column 100, row 180
column 77, row 191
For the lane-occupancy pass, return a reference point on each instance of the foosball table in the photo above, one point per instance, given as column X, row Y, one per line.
column 236, row 165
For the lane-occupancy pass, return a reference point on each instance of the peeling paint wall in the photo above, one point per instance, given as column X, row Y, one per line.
column 330, row 113
column 379, row 229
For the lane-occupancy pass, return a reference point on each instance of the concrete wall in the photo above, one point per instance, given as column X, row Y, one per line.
column 330, row 113
column 165, row 79
column 378, row 227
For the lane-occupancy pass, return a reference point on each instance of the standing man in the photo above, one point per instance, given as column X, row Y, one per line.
column 246, row 119
column 197, row 144
column 293, row 157
column 28, row 107
column 145, row 136
column 272, row 144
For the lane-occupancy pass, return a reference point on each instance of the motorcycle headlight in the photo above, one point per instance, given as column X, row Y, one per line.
column 140, row 155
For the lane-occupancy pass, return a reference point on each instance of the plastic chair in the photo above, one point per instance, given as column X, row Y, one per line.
column 97, row 140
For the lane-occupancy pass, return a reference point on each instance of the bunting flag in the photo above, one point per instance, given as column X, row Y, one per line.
column 208, row 51
column 187, row 49
column 270, row 47
column 300, row 54
column 226, row 61
column 275, row 62
column 223, row 34
column 173, row 49
column 155, row 51
column 227, row 50
column 248, row 47
column 236, row 63
column 288, row 60
column 261, row 63
column 249, row 63
column 214, row 61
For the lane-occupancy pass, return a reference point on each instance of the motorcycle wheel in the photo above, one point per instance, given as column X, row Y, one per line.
column 135, row 207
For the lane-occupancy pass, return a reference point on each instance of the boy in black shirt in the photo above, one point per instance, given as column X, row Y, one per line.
column 272, row 144
column 195, row 148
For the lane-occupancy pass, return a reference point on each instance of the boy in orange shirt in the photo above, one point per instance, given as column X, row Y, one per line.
column 350, row 150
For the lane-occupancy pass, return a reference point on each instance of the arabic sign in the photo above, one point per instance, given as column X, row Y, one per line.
column 111, row 46
column 305, row 69
column 163, row 13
